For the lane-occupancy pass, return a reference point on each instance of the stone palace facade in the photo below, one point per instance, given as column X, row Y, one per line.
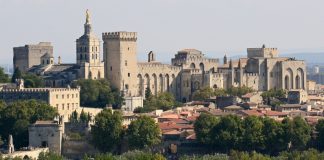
column 189, row 70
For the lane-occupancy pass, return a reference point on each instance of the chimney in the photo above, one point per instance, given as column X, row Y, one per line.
column 59, row 60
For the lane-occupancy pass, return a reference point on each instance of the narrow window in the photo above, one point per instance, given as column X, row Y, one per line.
column 128, row 74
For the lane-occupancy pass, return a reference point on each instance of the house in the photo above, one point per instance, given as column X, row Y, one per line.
column 254, row 97
column 297, row 96
column 289, row 107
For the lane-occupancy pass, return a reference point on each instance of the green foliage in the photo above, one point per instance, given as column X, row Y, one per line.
column 203, row 126
column 107, row 130
column 16, row 75
column 206, row 92
column 298, row 132
column 74, row 117
column 148, row 93
column 228, row 132
column 98, row 93
column 273, row 93
column 132, row 155
column 16, row 117
column 143, row 133
column 4, row 78
column 320, row 129
column 49, row 156
column 84, row 117
column 253, row 137
column 239, row 91
column 32, row 81
column 164, row 101
column 252, row 133
column 1, row 141
column 205, row 157
column 274, row 136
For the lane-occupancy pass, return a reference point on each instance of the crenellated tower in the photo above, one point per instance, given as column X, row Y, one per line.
column 120, row 59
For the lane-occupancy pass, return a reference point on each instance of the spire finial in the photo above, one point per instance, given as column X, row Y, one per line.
column 87, row 17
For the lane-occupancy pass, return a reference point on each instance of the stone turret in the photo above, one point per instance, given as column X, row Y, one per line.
column 225, row 59
column 59, row 60
column 11, row 147
column 151, row 56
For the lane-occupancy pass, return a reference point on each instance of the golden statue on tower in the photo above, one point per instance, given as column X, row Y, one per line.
column 87, row 16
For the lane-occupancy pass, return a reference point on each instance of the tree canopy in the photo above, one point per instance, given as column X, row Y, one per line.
column 16, row 117
column 320, row 129
column 207, row 92
column 98, row 93
column 107, row 130
column 164, row 101
column 4, row 78
column 143, row 133
column 30, row 80
column 252, row 133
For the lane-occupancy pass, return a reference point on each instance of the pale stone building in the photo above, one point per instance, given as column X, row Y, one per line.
column 46, row 134
column 65, row 100
column 190, row 70
column 29, row 55
column 88, row 62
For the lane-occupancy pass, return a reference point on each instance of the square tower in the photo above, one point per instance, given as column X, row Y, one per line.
column 120, row 58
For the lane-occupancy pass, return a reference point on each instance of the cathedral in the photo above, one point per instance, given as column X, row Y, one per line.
column 88, row 62
column 188, row 71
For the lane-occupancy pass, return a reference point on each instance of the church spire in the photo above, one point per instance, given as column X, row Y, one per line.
column 87, row 25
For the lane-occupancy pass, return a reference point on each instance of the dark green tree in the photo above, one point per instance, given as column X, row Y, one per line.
column 74, row 117
column 16, row 117
column 239, row 91
column 320, row 138
column 164, row 101
column 83, row 117
column 203, row 127
column 203, row 94
column 4, row 78
column 227, row 134
column 98, row 93
column 143, row 133
column 298, row 132
column 49, row 156
column 148, row 93
column 33, row 81
column 274, row 136
column 107, row 130
column 252, row 138
column 16, row 75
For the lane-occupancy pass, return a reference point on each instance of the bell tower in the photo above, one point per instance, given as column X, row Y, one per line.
column 88, row 45
column 88, row 53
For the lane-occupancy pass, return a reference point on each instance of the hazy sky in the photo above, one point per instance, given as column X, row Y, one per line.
column 166, row 26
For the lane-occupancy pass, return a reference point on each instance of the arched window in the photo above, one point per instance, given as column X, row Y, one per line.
column 80, row 56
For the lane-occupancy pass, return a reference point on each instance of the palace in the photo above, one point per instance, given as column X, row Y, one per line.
column 189, row 70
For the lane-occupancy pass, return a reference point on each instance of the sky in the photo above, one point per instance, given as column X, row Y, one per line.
column 215, row 27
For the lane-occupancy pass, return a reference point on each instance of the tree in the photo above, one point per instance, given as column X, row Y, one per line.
column 148, row 93
column 107, row 130
column 74, row 117
column 84, row 117
column 252, row 138
column 227, row 134
column 4, row 78
column 320, row 129
column 16, row 117
column 239, row 91
column 203, row 94
column 143, row 133
column 98, row 93
column 49, row 156
column 298, row 132
column 164, row 101
column 16, row 75
column 33, row 81
column 203, row 126
column 272, row 93
column 274, row 139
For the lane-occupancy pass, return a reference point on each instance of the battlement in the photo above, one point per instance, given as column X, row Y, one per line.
column 126, row 36
column 262, row 52
column 28, row 90
column 250, row 74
